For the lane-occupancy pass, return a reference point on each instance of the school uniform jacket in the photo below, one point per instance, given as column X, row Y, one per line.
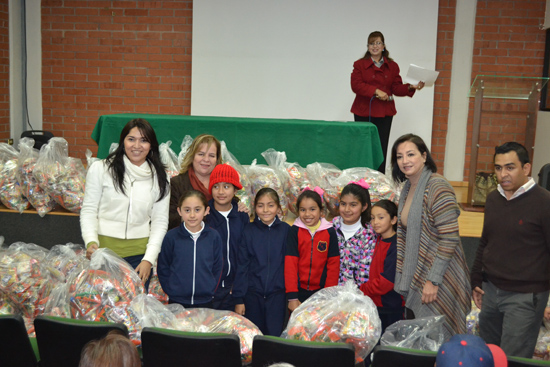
column 312, row 262
column 379, row 287
column 189, row 270
column 230, row 231
column 261, row 259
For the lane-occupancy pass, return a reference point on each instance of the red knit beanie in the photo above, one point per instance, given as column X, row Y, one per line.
column 224, row 173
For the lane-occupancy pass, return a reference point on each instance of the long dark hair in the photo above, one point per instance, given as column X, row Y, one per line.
column 416, row 140
column 363, row 196
column 374, row 35
column 115, row 160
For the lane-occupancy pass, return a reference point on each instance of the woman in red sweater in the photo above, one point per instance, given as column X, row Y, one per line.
column 375, row 80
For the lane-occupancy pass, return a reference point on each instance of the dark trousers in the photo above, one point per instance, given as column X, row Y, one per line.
column 134, row 261
column 186, row 305
column 304, row 294
column 267, row 313
column 223, row 299
column 389, row 317
column 383, row 124
column 511, row 320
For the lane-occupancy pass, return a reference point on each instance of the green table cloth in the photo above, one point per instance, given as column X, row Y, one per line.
column 344, row 144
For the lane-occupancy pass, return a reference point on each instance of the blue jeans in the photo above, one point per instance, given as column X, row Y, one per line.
column 511, row 320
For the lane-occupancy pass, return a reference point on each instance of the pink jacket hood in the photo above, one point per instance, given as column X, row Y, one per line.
column 324, row 224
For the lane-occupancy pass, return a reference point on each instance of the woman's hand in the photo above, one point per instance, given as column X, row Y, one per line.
column 429, row 293
column 419, row 86
column 292, row 305
column 242, row 208
column 144, row 270
column 240, row 309
column 547, row 313
column 92, row 247
column 381, row 95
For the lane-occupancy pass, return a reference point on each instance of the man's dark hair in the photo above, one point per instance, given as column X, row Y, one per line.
column 513, row 146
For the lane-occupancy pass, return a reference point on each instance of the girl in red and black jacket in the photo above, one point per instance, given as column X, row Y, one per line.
column 259, row 287
column 312, row 257
column 379, row 287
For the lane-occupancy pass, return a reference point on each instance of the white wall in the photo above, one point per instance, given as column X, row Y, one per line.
column 541, row 154
column 293, row 58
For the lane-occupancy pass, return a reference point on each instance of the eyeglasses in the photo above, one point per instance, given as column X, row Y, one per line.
column 372, row 44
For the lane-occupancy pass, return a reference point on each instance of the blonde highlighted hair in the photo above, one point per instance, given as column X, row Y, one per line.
column 194, row 148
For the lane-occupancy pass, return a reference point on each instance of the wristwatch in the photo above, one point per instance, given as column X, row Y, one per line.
column 435, row 283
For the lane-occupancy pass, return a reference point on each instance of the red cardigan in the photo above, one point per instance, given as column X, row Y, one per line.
column 366, row 78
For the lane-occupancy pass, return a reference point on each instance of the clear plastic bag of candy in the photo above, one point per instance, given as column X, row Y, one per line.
column 10, row 190
column 381, row 187
column 107, row 283
column 424, row 333
column 339, row 314
column 472, row 320
column 155, row 289
column 294, row 177
column 63, row 260
column 542, row 348
column 169, row 158
column 204, row 320
column 245, row 194
column 145, row 311
column 261, row 176
column 39, row 199
column 185, row 145
column 59, row 301
column 61, row 176
column 89, row 159
column 324, row 176
column 23, row 278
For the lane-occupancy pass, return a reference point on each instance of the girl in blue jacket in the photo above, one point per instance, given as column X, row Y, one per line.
column 226, row 218
column 190, row 261
column 259, row 288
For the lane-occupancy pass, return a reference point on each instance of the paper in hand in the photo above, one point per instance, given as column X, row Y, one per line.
column 418, row 74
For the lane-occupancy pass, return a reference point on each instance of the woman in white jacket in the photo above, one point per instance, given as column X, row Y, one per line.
column 126, row 200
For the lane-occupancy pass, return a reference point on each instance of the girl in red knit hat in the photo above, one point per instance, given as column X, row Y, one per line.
column 229, row 222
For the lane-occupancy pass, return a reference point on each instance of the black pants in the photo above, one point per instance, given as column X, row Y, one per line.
column 383, row 124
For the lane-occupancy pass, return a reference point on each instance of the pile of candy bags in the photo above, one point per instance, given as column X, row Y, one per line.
column 60, row 176
column 337, row 314
column 36, row 195
column 10, row 190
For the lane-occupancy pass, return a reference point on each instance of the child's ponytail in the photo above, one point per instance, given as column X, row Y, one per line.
column 360, row 189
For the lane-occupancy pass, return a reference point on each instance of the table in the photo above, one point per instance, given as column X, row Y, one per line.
column 344, row 144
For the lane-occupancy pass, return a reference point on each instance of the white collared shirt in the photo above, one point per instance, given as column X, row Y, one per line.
column 522, row 190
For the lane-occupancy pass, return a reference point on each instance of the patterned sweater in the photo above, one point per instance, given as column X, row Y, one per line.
column 355, row 253
column 440, row 245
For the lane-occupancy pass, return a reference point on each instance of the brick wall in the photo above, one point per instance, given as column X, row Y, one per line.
column 508, row 41
column 104, row 57
column 4, row 72
column 443, row 63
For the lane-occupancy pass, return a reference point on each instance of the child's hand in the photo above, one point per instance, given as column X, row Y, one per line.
column 242, row 207
column 239, row 309
column 292, row 305
column 547, row 313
